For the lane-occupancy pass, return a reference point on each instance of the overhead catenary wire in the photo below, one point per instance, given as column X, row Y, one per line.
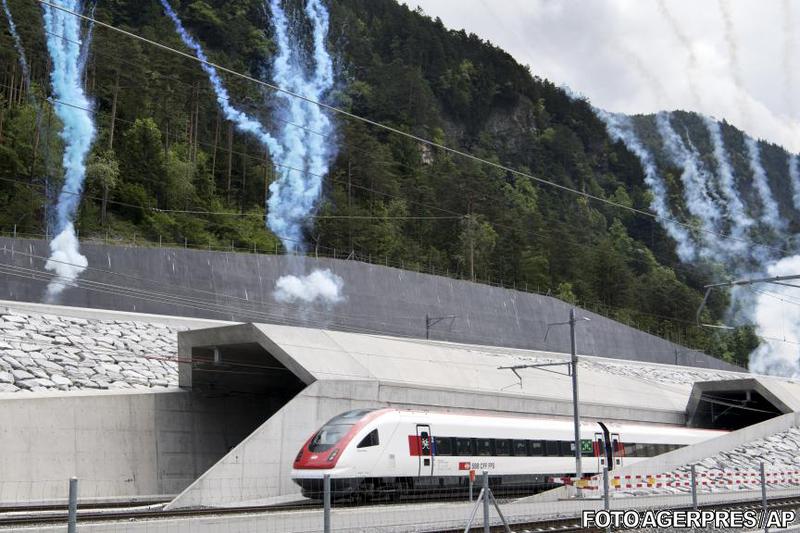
column 397, row 131
column 260, row 159
column 222, row 309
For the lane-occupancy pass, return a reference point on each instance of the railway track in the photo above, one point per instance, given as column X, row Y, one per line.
column 57, row 515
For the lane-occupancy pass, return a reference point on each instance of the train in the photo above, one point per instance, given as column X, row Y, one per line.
column 393, row 452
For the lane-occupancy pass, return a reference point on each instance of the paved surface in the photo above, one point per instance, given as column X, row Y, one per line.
column 396, row 518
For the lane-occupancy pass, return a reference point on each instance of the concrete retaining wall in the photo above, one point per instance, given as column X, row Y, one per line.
column 116, row 443
column 378, row 300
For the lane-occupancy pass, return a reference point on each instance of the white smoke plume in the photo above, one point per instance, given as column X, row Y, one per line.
column 78, row 132
column 306, row 142
column 737, row 214
column 777, row 318
column 65, row 261
column 680, row 35
column 794, row 179
column 12, row 27
column 620, row 128
column 696, row 181
column 321, row 286
column 769, row 213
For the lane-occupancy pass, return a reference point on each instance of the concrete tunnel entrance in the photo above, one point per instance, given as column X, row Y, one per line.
column 243, row 369
column 733, row 404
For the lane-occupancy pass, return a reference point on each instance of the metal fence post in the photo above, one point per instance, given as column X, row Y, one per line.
column 606, row 495
column 326, row 499
column 764, row 496
column 694, row 488
column 485, row 501
column 471, row 482
column 15, row 231
column 72, row 517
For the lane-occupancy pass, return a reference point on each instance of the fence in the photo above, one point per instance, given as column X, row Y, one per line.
column 344, row 505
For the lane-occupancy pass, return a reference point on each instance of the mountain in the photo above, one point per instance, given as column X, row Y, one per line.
column 166, row 167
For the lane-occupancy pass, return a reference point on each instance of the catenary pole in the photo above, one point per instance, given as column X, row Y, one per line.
column 575, row 407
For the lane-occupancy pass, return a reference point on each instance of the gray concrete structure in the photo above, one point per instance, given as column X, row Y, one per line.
column 319, row 374
column 381, row 300
column 119, row 444
column 738, row 403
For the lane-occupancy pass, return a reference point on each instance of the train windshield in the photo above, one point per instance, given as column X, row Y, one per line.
column 336, row 428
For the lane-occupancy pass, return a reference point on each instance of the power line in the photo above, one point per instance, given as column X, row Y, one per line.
column 392, row 129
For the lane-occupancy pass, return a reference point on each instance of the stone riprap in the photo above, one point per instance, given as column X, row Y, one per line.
column 671, row 375
column 41, row 352
column 46, row 352
column 737, row 469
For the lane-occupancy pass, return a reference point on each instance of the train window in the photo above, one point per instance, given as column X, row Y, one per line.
column 535, row 448
column 502, row 447
column 370, row 440
column 551, row 448
column 484, row 447
column 519, row 448
column 443, row 446
column 464, row 447
column 329, row 435
column 632, row 449
column 566, row 448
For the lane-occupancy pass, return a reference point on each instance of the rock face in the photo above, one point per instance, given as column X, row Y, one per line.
column 44, row 352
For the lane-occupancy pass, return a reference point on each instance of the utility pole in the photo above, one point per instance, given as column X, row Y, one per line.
column 572, row 370
column 575, row 405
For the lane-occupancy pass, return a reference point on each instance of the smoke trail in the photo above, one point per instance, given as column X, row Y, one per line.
column 733, row 56
column 695, row 179
column 620, row 128
column 794, row 178
column 788, row 56
column 769, row 215
column 687, row 44
column 737, row 215
column 243, row 121
column 87, row 42
column 777, row 318
column 320, row 285
column 306, row 155
column 23, row 61
column 77, row 133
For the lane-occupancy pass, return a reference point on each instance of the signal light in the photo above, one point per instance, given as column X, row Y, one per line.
column 333, row 455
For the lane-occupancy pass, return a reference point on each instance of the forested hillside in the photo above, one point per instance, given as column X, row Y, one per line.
column 165, row 165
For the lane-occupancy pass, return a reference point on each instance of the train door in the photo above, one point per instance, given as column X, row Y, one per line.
column 600, row 451
column 426, row 450
column 617, row 450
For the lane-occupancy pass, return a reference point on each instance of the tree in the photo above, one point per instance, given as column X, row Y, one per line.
column 477, row 239
column 103, row 172
column 141, row 158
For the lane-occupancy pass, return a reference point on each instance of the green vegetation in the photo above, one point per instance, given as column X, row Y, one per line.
column 166, row 166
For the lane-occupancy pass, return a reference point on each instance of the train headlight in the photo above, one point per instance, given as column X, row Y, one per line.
column 333, row 455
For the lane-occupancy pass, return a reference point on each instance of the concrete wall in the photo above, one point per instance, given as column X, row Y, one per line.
column 116, row 443
column 379, row 300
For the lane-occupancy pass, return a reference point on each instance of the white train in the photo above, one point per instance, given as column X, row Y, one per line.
column 394, row 451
